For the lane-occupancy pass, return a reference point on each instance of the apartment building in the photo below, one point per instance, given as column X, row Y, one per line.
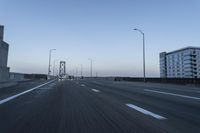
column 181, row 63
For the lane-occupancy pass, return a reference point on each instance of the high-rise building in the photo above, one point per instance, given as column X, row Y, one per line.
column 182, row 63
column 4, row 70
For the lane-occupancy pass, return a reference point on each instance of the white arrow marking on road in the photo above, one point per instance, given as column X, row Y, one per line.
column 95, row 90
column 146, row 112
column 172, row 94
column 82, row 85
column 22, row 93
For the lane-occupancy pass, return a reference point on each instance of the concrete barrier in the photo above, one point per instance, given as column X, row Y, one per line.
column 161, row 80
column 8, row 84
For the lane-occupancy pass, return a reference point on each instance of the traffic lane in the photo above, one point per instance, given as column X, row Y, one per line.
column 10, row 91
column 178, row 114
column 68, row 107
column 177, row 97
column 185, row 102
column 110, row 115
column 178, row 89
column 16, row 113
column 144, row 119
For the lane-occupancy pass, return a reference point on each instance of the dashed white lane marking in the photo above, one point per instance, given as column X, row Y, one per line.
column 22, row 93
column 172, row 94
column 82, row 85
column 146, row 112
column 95, row 90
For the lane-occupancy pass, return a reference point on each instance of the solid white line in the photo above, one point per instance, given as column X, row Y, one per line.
column 95, row 90
column 22, row 93
column 146, row 112
column 172, row 94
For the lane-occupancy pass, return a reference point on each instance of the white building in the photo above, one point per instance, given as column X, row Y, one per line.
column 182, row 63
column 4, row 70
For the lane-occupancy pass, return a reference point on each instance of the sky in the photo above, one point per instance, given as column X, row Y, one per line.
column 98, row 29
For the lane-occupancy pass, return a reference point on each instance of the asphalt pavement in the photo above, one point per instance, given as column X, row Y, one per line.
column 100, row 106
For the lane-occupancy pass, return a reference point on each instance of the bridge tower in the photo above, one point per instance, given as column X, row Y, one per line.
column 62, row 69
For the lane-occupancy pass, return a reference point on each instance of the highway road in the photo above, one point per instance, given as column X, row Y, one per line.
column 100, row 106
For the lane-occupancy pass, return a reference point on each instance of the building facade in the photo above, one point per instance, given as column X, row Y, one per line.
column 182, row 63
column 4, row 70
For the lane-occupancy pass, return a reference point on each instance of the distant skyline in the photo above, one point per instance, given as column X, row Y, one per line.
column 98, row 29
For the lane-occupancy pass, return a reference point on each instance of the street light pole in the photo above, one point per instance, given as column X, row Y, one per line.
column 90, row 67
column 54, row 65
column 81, row 70
column 76, row 74
column 49, row 69
column 143, row 53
